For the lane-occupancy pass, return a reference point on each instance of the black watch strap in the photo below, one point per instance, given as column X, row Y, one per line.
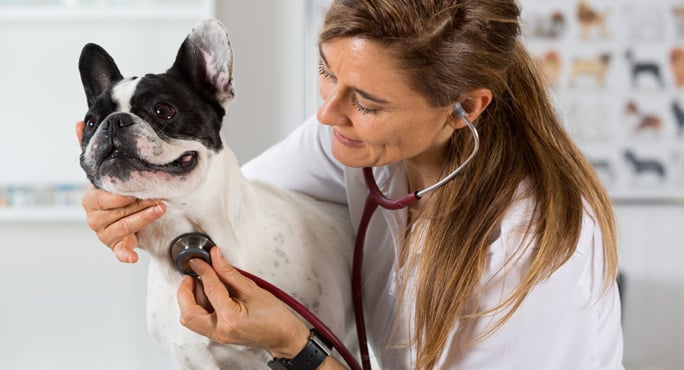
column 317, row 349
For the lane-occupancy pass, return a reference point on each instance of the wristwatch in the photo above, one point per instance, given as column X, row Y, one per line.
column 317, row 349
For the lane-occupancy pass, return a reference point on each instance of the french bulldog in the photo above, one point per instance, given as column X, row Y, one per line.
column 158, row 137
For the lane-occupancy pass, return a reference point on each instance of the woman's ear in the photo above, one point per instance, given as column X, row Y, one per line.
column 473, row 103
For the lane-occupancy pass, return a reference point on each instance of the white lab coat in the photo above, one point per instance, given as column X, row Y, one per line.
column 565, row 322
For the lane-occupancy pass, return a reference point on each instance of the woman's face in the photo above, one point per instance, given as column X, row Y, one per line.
column 376, row 117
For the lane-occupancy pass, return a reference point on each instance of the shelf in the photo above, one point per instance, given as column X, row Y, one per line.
column 652, row 197
column 42, row 215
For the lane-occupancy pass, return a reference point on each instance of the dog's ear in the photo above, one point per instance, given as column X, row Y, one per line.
column 205, row 59
column 98, row 71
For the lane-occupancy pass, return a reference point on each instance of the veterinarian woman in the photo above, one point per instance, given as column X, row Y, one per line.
column 510, row 265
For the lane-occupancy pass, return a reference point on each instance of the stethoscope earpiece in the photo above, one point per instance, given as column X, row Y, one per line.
column 189, row 246
column 459, row 111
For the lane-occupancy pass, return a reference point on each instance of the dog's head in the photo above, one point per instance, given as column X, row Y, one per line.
column 155, row 136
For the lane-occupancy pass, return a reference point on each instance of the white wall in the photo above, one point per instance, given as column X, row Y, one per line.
column 652, row 256
column 268, row 42
column 68, row 304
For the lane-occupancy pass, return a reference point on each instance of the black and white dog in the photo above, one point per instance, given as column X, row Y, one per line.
column 158, row 136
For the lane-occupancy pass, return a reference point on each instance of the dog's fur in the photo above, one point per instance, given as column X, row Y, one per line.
column 677, row 65
column 548, row 26
column 644, row 121
column 550, row 64
column 595, row 67
column 590, row 19
column 678, row 113
column 640, row 67
column 642, row 165
column 131, row 146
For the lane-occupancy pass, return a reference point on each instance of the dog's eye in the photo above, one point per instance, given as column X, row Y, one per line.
column 165, row 111
column 90, row 123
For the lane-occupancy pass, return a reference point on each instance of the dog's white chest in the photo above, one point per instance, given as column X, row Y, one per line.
column 300, row 245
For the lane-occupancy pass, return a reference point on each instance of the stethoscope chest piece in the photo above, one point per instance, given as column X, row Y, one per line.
column 189, row 246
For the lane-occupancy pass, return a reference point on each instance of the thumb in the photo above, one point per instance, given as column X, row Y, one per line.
column 240, row 286
column 80, row 127
column 214, row 288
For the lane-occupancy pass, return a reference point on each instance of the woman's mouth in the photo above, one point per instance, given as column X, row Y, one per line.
column 347, row 141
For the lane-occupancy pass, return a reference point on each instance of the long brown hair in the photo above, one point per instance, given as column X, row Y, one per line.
column 447, row 48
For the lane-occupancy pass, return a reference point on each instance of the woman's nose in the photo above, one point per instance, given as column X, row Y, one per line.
column 330, row 112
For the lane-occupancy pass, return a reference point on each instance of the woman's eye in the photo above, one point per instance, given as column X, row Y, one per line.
column 361, row 108
column 324, row 72
column 165, row 111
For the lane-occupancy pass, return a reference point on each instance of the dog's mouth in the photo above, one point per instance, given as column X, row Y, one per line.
column 121, row 159
column 183, row 164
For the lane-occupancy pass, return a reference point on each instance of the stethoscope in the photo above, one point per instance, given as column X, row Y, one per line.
column 197, row 245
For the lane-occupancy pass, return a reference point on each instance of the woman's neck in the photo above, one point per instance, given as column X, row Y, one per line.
column 424, row 169
column 421, row 174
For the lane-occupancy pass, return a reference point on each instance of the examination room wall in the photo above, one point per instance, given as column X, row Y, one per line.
column 68, row 304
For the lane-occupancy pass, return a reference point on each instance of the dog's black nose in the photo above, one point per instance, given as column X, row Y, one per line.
column 117, row 120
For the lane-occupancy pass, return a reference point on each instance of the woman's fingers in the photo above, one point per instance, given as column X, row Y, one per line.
column 80, row 127
column 193, row 315
column 116, row 205
column 200, row 297
column 120, row 235
column 219, row 325
column 129, row 219
column 214, row 287
column 116, row 218
column 230, row 276
column 124, row 249
column 243, row 313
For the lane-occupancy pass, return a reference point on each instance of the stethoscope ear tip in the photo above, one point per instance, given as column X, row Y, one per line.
column 459, row 111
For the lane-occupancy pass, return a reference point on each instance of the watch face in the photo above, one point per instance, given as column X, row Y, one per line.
column 279, row 364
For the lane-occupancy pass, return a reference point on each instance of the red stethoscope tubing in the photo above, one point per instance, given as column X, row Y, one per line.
column 308, row 316
column 374, row 199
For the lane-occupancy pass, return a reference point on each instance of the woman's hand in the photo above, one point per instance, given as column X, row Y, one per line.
column 116, row 218
column 242, row 313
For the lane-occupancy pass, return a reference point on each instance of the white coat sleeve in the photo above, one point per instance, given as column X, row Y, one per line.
column 303, row 162
column 566, row 322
